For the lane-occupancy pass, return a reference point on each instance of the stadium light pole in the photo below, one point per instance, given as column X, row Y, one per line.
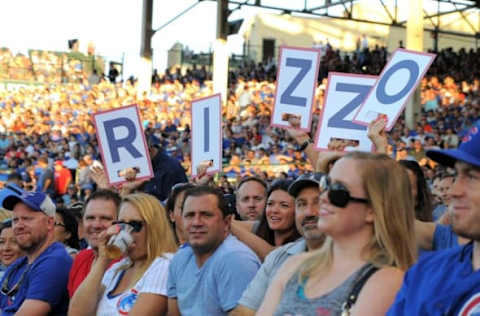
column 414, row 41
column 145, row 69
column 220, row 51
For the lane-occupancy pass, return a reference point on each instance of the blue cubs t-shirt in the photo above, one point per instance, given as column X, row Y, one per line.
column 441, row 283
column 45, row 279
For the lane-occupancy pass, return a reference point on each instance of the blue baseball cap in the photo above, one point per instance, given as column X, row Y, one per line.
column 37, row 201
column 468, row 151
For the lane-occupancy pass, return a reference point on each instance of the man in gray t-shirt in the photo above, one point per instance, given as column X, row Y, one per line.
column 306, row 191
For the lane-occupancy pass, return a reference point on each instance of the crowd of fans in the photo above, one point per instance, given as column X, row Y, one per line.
column 342, row 237
column 54, row 121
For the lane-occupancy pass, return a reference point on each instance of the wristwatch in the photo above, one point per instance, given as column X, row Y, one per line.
column 305, row 144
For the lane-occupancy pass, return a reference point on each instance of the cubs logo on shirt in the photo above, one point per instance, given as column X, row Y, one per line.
column 126, row 301
column 471, row 307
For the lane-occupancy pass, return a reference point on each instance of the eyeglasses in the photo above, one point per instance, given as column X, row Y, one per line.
column 338, row 194
column 11, row 292
column 136, row 225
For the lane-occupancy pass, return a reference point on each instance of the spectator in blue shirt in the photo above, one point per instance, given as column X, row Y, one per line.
column 37, row 283
column 448, row 282
column 209, row 276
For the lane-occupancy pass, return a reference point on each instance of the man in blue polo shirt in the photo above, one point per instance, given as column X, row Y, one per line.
column 448, row 282
column 35, row 285
column 208, row 276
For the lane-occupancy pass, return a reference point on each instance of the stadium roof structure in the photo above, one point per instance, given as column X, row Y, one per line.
column 395, row 12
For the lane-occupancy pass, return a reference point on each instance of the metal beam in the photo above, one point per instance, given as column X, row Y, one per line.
column 349, row 12
column 466, row 20
column 455, row 2
column 326, row 6
column 282, row 9
column 388, row 11
column 312, row 12
column 429, row 17
column 443, row 13
column 177, row 16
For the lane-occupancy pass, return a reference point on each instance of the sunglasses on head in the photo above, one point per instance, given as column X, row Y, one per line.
column 136, row 225
column 338, row 194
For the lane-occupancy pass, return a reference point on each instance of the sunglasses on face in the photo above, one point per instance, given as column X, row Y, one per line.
column 338, row 194
column 136, row 225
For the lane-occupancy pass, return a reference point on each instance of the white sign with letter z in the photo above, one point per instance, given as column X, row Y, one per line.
column 296, row 81
column 344, row 94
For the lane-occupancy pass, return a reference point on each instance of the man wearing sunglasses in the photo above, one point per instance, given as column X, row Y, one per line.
column 36, row 284
column 100, row 210
column 306, row 191
column 448, row 282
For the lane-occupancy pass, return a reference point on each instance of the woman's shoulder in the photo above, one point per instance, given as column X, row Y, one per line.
column 386, row 277
column 379, row 291
column 165, row 258
column 161, row 262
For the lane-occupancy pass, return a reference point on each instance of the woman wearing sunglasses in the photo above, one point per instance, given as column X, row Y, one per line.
column 136, row 285
column 366, row 212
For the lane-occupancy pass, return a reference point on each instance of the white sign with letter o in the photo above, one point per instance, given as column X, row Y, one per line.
column 207, row 133
column 296, row 82
column 344, row 94
column 122, row 143
column 396, row 83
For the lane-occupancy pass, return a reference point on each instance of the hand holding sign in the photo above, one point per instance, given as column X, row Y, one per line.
column 377, row 134
column 98, row 175
column 295, row 132
column 122, row 143
column 394, row 86
column 296, row 82
column 206, row 134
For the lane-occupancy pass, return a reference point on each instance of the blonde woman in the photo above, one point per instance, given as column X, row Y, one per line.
column 366, row 211
column 136, row 285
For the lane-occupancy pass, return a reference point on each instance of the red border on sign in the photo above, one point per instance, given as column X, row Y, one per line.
column 320, row 117
column 286, row 126
column 220, row 152
column 100, row 145
column 388, row 128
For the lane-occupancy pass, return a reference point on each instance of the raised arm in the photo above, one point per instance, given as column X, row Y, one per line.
column 303, row 140
column 245, row 235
